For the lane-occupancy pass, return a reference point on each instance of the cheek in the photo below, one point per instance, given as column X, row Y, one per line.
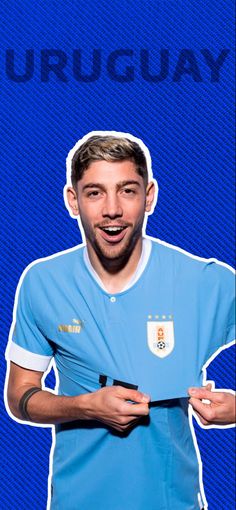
column 136, row 211
column 90, row 216
column 89, row 211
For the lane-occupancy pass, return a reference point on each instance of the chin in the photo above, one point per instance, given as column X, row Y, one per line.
column 112, row 253
column 120, row 251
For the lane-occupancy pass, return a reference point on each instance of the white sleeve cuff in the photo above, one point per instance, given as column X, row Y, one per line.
column 27, row 359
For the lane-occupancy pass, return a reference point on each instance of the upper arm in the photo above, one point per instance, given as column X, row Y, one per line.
column 19, row 381
column 30, row 325
column 28, row 347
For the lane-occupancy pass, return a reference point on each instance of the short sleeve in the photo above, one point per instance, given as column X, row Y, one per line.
column 227, row 302
column 230, row 330
column 28, row 346
column 217, row 306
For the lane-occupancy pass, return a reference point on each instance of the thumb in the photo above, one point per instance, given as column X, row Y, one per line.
column 133, row 395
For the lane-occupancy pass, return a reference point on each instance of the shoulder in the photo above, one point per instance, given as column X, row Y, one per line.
column 209, row 270
column 59, row 264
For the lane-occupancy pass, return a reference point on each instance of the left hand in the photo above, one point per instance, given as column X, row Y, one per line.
column 219, row 411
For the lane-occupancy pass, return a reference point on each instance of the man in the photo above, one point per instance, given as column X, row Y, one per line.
column 130, row 322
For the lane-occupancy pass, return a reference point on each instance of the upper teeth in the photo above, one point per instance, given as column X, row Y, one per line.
column 113, row 229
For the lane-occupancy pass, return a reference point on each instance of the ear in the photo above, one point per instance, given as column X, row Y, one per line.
column 72, row 200
column 150, row 195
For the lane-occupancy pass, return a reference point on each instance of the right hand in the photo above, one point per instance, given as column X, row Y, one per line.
column 110, row 405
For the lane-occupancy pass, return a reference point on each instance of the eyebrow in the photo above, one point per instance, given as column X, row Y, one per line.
column 119, row 185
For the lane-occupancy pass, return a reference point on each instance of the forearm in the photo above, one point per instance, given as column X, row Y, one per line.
column 109, row 405
column 46, row 407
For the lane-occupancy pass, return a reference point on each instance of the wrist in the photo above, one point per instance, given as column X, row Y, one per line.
column 84, row 406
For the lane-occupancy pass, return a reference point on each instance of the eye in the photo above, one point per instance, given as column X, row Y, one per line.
column 93, row 194
column 129, row 191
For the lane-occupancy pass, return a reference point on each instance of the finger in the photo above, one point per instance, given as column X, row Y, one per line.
column 134, row 410
column 205, row 410
column 213, row 397
column 203, row 393
column 201, row 419
column 127, row 425
column 131, row 420
column 133, row 395
column 132, row 423
column 209, row 388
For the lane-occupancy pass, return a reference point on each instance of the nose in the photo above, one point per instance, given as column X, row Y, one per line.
column 112, row 207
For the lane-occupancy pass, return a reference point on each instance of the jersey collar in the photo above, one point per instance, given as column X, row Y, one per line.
column 146, row 251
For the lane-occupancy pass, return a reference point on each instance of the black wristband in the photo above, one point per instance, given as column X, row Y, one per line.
column 24, row 401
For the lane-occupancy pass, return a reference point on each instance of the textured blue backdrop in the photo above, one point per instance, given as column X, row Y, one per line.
column 188, row 127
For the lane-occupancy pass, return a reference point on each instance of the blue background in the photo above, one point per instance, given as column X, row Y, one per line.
column 188, row 127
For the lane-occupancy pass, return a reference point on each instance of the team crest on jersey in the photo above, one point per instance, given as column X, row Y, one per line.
column 160, row 335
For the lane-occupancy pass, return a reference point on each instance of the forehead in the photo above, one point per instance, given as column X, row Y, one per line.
column 110, row 172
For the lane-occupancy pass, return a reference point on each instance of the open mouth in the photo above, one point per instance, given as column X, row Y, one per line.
column 112, row 231
column 114, row 234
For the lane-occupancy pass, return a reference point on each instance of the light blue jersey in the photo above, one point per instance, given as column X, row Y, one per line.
column 155, row 335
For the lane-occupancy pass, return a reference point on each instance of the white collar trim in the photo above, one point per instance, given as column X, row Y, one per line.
column 146, row 251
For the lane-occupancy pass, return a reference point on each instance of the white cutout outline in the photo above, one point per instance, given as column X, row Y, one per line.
column 51, row 365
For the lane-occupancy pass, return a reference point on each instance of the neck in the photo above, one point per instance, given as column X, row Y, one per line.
column 115, row 273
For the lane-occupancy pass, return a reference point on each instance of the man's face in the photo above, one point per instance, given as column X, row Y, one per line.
column 111, row 200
